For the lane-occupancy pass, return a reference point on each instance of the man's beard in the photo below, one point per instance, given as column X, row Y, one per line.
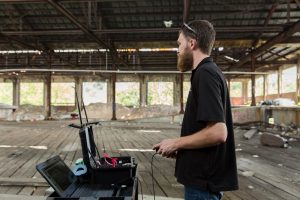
column 185, row 61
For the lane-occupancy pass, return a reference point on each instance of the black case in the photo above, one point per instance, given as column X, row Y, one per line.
column 124, row 174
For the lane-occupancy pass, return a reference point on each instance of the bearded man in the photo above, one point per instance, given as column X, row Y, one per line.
column 205, row 152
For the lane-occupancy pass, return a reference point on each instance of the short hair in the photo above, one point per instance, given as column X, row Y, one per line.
column 203, row 31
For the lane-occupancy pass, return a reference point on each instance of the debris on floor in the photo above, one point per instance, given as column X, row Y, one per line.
column 249, row 134
column 269, row 139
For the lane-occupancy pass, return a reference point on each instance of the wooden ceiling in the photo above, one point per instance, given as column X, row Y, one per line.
column 117, row 34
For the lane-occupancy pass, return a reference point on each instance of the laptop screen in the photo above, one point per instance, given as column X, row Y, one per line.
column 61, row 175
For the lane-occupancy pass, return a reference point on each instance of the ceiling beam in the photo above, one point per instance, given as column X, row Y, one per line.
column 75, row 21
column 20, row 42
column 230, row 29
column 88, row 32
column 266, row 22
column 275, row 40
column 22, row 15
column 275, row 53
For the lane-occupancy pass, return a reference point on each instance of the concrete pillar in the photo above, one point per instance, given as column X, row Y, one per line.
column 143, row 90
column 109, row 91
column 245, row 90
column 253, row 102
column 16, row 92
column 114, row 77
column 279, row 81
column 298, row 80
column 78, row 89
column 228, row 85
column 47, row 95
column 176, row 90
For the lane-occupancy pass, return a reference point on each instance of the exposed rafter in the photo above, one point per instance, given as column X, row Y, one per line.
column 266, row 22
column 73, row 19
column 275, row 40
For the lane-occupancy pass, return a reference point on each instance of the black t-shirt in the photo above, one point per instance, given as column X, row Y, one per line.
column 212, row 168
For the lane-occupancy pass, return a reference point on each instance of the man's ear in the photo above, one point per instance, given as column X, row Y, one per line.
column 193, row 44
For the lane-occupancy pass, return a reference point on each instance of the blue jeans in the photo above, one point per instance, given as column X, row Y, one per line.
column 191, row 193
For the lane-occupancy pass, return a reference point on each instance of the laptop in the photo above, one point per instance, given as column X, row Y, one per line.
column 66, row 184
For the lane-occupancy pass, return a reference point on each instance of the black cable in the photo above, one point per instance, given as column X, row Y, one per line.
column 141, row 188
column 153, row 175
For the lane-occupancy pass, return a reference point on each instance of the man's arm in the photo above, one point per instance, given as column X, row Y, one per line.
column 213, row 134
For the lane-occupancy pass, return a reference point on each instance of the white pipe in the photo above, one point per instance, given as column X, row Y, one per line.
column 117, row 71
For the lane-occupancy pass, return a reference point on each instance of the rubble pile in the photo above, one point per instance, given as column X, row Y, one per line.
column 100, row 111
column 104, row 111
column 273, row 135
column 28, row 112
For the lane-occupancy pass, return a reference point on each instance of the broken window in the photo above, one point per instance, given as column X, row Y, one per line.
column 94, row 92
column 272, row 81
column 236, row 89
column 32, row 93
column 186, row 90
column 62, row 94
column 6, row 94
column 259, row 86
column 128, row 93
column 160, row 93
column 289, row 79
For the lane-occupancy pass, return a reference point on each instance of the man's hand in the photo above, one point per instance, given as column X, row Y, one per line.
column 167, row 148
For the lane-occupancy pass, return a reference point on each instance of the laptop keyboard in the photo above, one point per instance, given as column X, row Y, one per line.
column 92, row 191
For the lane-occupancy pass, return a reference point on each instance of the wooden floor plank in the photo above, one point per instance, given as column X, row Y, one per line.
column 276, row 170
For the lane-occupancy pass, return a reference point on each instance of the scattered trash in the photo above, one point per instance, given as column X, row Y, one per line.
column 280, row 165
column 249, row 134
column 255, row 156
column 247, row 173
column 250, row 187
column 238, row 149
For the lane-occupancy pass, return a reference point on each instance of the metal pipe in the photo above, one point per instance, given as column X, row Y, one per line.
column 116, row 71
column 242, row 29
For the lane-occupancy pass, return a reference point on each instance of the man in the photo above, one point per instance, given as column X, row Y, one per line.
column 205, row 152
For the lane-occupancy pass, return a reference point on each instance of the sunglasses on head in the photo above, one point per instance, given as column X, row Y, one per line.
column 189, row 28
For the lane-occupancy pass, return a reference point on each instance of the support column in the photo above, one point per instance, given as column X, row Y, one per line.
column 109, row 91
column 143, row 91
column 48, row 90
column 298, row 80
column 113, row 85
column 16, row 92
column 253, row 103
column 47, row 95
column 176, row 90
column 228, row 85
column 245, row 91
column 78, row 89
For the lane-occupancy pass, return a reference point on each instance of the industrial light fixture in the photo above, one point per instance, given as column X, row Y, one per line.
column 168, row 24
column 221, row 48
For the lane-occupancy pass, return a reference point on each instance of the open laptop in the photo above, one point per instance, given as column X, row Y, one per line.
column 66, row 184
